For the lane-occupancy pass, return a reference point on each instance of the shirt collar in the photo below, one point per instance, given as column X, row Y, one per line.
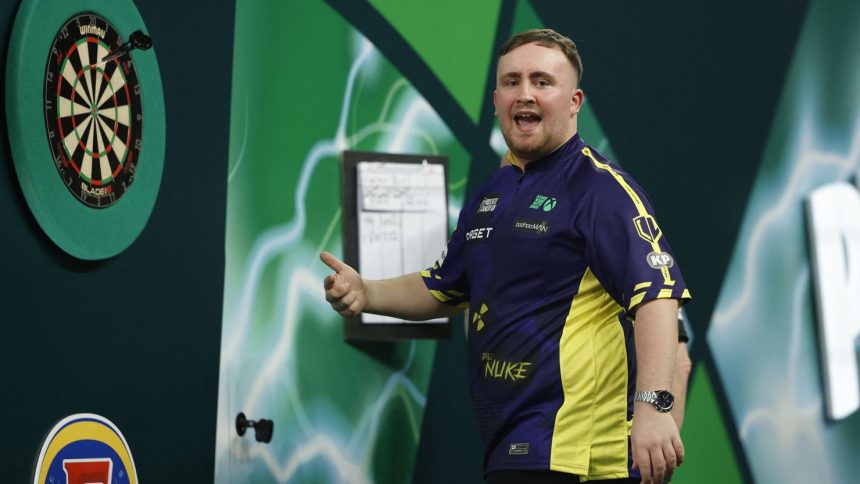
column 570, row 147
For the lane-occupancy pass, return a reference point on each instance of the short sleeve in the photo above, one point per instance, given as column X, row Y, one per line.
column 626, row 248
column 447, row 280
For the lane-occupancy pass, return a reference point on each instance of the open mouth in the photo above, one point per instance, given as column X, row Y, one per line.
column 526, row 120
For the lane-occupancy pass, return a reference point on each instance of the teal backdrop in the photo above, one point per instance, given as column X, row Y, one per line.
column 728, row 113
column 134, row 338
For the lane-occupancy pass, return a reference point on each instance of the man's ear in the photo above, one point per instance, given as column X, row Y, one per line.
column 576, row 101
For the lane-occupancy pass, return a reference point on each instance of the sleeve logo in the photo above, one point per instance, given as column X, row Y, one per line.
column 659, row 260
column 647, row 228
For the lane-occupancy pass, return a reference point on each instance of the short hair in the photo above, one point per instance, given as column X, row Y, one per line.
column 546, row 38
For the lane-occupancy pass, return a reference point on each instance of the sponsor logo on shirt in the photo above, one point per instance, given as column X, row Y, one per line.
column 659, row 260
column 647, row 228
column 481, row 233
column 504, row 370
column 543, row 202
column 540, row 228
column 478, row 317
column 520, row 448
column 488, row 204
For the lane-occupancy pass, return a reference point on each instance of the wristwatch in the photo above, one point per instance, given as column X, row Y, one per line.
column 661, row 399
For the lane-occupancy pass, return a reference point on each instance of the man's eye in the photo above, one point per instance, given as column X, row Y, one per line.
column 542, row 82
column 511, row 82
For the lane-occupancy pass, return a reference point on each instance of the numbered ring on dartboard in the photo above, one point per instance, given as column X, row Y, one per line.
column 93, row 111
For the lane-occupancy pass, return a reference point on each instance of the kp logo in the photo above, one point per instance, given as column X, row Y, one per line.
column 85, row 448
column 659, row 260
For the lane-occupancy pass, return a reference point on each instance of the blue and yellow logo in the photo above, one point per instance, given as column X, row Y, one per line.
column 85, row 448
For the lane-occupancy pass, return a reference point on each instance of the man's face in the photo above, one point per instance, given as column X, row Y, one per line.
column 536, row 100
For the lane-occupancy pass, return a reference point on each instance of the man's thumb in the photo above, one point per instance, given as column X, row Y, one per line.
column 333, row 262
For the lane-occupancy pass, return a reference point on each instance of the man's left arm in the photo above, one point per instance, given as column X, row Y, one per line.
column 683, row 367
column 657, row 447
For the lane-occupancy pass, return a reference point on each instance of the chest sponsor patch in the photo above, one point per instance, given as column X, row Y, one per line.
column 659, row 260
column 543, row 202
column 532, row 226
column 488, row 204
column 479, row 233
column 520, row 448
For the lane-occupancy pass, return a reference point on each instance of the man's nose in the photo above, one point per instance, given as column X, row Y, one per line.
column 525, row 95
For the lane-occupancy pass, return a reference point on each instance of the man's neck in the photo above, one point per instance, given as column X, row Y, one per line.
column 521, row 162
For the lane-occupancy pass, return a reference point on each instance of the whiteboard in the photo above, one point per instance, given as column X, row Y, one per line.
column 402, row 221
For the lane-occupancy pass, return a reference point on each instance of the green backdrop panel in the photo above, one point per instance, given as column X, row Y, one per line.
column 437, row 30
column 339, row 410
column 708, row 449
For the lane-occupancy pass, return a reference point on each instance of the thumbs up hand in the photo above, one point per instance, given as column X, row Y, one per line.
column 344, row 289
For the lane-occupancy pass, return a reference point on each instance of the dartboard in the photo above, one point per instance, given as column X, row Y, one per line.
column 93, row 111
column 86, row 121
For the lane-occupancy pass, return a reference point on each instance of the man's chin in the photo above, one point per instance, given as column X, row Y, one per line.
column 528, row 152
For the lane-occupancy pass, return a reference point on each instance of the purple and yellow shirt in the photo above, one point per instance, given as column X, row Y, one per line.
column 553, row 262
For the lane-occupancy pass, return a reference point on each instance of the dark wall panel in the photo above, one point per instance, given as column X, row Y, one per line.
column 134, row 338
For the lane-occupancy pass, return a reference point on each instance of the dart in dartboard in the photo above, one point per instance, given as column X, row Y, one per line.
column 93, row 109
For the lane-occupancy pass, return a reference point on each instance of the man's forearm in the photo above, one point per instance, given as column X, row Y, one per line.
column 683, row 366
column 404, row 297
column 656, row 337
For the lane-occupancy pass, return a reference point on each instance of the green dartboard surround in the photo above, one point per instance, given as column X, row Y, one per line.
column 82, row 231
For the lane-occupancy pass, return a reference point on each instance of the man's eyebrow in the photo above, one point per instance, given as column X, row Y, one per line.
column 541, row 74
column 532, row 75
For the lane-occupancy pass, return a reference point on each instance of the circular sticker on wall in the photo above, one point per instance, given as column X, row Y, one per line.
column 85, row 448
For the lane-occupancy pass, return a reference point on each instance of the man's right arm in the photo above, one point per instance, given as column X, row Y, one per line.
column 405, row 297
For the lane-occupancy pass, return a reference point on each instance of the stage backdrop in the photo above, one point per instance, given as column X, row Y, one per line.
column 730, row 114
column 342, row 412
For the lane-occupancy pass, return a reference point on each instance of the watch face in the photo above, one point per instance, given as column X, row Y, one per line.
column 93, row 111
column 664, row 400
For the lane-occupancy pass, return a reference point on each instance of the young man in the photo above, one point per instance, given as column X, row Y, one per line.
column 556, row 255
